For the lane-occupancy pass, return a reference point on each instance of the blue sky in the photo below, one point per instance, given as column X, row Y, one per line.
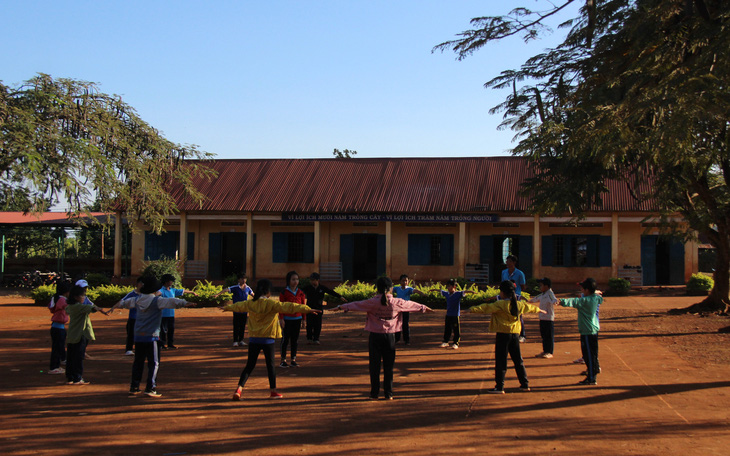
column 279, row 79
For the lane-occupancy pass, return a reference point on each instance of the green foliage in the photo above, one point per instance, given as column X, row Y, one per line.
column 231, row 280
column 164, row 265
column 699, row 285
column 206, row 292
column 357, row 291
column 97, row 279
column 107, row 295
column 43, row 294
column 618, row 286
column 435, row 300
column 532, row 286
column 64, row 139
column 345, row 153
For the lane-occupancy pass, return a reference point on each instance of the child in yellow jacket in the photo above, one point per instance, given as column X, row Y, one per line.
column 505, row 322
column 263, row 330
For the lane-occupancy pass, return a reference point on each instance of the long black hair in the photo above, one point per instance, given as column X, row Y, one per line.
column 62, row 288
column 508, row 288
column 383, row 284
column 263, row 287
column 289, row 275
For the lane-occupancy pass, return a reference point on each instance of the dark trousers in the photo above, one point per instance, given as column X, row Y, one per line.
column 406, row 329
column 75, row 360
column 291, row 334
column 508, row 344
column 452, row 325
column 239, row 326
column 589, row 348
column 58, row 347
column 167, row 331
column 149, row 351
column 314, row 326
column 253, row 355
column 522, row 327
column 381, row 347
column 547, row 332
column 130, row 335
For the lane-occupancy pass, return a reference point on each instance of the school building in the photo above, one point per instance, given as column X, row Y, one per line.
column 432, row 218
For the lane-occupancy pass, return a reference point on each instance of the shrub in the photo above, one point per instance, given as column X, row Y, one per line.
column 164, row 265
column 618, row 286
column 231, row 280
column 107, row 295
column 357, row 291
column 435, row 299
column 96, row 279
column 206, row 295
column 532, row 286
column 699, row 285
column 43, row 294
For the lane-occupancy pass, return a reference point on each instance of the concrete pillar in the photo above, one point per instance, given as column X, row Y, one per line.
column 389, row 249
column 249, row 246
column 183, row 250
column 462, row 249
column 118, row 245
column 317, row 245
column 536, row 248
column 614, row 245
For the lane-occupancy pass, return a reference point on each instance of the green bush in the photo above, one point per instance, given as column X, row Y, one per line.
column 107, row 295
column 231, row 280
column 435, row 300
column 357, row 291
column 43, row 294
column 532, row 286
column 164, row 265
column 206, row 292
column 699, row 285
column 618, row 286
column 96, row 279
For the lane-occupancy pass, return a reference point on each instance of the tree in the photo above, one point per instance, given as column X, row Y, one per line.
column 638, row 92
column 346, row 153
column 64, row 139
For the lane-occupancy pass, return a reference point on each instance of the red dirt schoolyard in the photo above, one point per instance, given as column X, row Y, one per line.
column 664, row 389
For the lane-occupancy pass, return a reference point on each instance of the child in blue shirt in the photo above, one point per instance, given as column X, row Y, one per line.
column 453, row 311
column 240, row 292
column 167, row 327
column 404, row 292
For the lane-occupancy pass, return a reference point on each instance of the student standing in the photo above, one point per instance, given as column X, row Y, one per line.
column 547, row 301
column 132, row 319
column 292, row 320
column 240, row 292
column 518, row 278
column 57, row 306
column 404, row 292
column 263, row 329
column 588, row 326
column 453, row 312
column 505, row 322
column 167, row 327
column 80, row 332
column 383, row 321
column 149, row 307
column 315, row 293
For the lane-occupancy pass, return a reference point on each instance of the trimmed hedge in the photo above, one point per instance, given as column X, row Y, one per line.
column 699, row 285
column 618, row 286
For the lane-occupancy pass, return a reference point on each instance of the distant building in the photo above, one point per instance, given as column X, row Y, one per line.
column 432, row 218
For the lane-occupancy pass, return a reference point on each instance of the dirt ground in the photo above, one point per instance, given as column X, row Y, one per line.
column 665, row 389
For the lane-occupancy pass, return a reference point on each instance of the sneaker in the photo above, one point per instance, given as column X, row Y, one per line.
column 540, row 355
column 129, row 353
column 81, row 382
column 373, row 398
column 585, row 372
column 242, row 343
column 579, row 361
column 58, row 370
column 237, row 394
column 133, row 391
column 388, row 398
column 495, row 391
column 455, row 346
column 294, row 363
column 235, row 344
column 444, row 344
column 172, row 347
column 152, row 393
column 522, row 340
column 283, row 364
column 275, row 395
column 525, row 389
column 587, row 381
column 316, row 342
column 546, row 355
column 63, row 363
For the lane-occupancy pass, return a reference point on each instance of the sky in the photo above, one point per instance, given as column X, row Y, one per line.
column 280, row 79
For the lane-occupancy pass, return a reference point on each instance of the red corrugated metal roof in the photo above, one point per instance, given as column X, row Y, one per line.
column 379, row 185
column 44, row 218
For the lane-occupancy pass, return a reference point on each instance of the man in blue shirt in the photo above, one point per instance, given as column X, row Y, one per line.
column 167, row 327
column 403, row 291
column 518, row 277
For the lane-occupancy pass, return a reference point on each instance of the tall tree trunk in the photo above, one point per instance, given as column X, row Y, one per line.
column 719, row 298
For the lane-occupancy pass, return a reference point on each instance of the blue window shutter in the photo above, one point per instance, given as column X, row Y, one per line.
column 419, row 249
column 150, row 247
column 447, row 249
column 592, row 251
column 280, row 247
column 525, row 255
column 347, row 251
column 648, row 259
column 547, row 250
column 309, row 247
column 191, row 246
column 486, row 250
column 568, row 250
column 604, row 251
column 214, row 256
column 380, row 268
column 676, row 263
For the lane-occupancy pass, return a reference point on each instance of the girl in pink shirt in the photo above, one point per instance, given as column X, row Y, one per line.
column 383, row 321
column 57, row 306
